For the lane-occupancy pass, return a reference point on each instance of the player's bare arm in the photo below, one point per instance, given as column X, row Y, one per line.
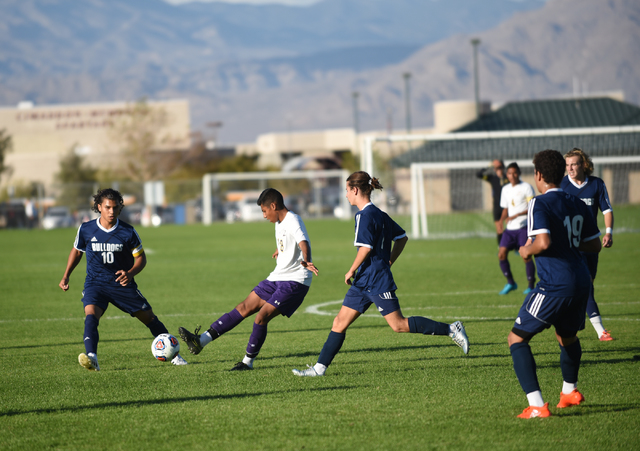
column 540, row 244
column 74, row 258
column 591, row 246
column 607, row 240
column 125, row 277
column 305, row 248
column 398, row 247
column 361, row 256
column 275, row 254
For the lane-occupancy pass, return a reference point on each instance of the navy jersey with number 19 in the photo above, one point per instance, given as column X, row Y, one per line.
column 107, row 251
column 568, row 222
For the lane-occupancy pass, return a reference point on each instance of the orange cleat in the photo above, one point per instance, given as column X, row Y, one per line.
column 572, row 399
column 536, row 412
column 606, row 336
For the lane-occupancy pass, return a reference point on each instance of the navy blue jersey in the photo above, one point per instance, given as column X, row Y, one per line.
column 592, row 192
column 568, row 221
column 377, row 231
column 107, row 251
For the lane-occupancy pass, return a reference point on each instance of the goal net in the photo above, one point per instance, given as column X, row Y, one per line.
column 233, row 196
column 440, row 191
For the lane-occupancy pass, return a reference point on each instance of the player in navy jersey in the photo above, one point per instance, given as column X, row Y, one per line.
column 371, row 280
column 282, row 292
column 592, row 191
column 497, row 179
column 114, row 257
column 560, row 226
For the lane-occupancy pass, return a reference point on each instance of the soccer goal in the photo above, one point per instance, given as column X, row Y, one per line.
column 445, row 198
column 233, row 196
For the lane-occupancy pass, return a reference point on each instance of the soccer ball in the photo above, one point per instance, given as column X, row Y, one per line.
column 165, row 347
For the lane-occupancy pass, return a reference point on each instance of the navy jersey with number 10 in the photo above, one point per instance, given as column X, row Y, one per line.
column 568, row 222
column 377, row 231
column 107, row 251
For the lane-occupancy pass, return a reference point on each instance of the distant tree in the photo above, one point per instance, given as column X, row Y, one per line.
column 137, row 134
column 6, row 146
column 77, row 179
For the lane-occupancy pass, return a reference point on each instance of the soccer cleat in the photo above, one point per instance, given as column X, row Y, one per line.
column 509, row 287
column 459, row 336
column 178, row 360
column 606, row 336
column 191, row 339
column 572, row 399
column 241, row 366
column 527, row 290
column 309, row 372
column 89, row 361
column 536, row 412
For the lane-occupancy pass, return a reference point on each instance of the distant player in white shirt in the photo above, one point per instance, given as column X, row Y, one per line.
column 280, row 293
column 514, row 200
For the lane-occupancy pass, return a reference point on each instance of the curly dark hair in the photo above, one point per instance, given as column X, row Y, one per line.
column 364, row 182
column 107, row 193
column 551, row 164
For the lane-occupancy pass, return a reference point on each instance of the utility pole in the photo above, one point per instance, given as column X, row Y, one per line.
column 407, row 105
column 475, row 43
column 356, row 121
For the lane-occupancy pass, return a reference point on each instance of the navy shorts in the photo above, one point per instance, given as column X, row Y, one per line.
column 541, row 311
column 127, row 299
column 513, row 239
column 360, row 300
column 286, row 296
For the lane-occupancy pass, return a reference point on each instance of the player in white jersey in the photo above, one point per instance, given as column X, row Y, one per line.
column 514, row 200
column 280, row 293
column 580, row 182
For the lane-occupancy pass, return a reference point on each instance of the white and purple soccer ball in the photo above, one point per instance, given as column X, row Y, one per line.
column 165, row 347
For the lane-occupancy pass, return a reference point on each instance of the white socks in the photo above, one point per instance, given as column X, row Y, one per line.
column 320, row 368
column 248, row 361
column 535, row 398
column 597, row 325
column 205, row 339
column 567, row 387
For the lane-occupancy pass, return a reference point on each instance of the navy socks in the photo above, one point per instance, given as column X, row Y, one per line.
column 426, row 326
column 570, row 357
column 331, row 348
column 524, row 366
column 91, row 336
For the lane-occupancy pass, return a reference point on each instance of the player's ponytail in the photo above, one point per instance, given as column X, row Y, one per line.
column 364, row 182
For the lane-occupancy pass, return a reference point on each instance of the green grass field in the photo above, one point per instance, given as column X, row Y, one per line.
column 384, row 390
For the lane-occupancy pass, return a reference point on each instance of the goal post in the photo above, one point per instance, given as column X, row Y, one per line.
column 318, row 182
column 436, row 179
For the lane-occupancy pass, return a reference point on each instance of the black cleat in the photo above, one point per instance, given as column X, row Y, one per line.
column 191, row 339
column 241, row 366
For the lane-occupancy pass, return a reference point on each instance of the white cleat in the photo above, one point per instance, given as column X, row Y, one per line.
column 309, row 372
column 178, row 360
column 89, row 361
column 459, row 336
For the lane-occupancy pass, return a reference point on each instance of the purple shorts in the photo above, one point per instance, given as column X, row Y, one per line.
column 286, row 296
column 513, row 239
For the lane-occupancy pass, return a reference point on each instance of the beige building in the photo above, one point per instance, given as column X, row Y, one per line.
column 42, row 135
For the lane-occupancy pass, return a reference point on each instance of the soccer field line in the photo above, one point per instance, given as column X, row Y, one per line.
column 316, row 310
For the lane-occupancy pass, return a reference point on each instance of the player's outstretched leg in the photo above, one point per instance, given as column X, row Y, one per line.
column 459, row 336
column 329, row 350
column 191, row 339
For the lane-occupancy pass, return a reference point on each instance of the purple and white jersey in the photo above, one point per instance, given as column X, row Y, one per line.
column 289, row 232
column 515, row 199
column 593, row 192
column 107, row 250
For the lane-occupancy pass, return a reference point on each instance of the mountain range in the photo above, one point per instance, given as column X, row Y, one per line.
column 273, row 67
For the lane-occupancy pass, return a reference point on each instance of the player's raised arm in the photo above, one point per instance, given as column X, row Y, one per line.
column 74, row 258
column 398, row 247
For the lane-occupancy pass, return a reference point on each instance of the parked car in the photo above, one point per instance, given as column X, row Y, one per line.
column 57, row 217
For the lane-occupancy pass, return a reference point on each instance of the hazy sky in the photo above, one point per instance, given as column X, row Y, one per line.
column 255, row 2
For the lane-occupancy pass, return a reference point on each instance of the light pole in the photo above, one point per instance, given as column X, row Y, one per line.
column 407, row 105
column 356, row 119
column 475, row 43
